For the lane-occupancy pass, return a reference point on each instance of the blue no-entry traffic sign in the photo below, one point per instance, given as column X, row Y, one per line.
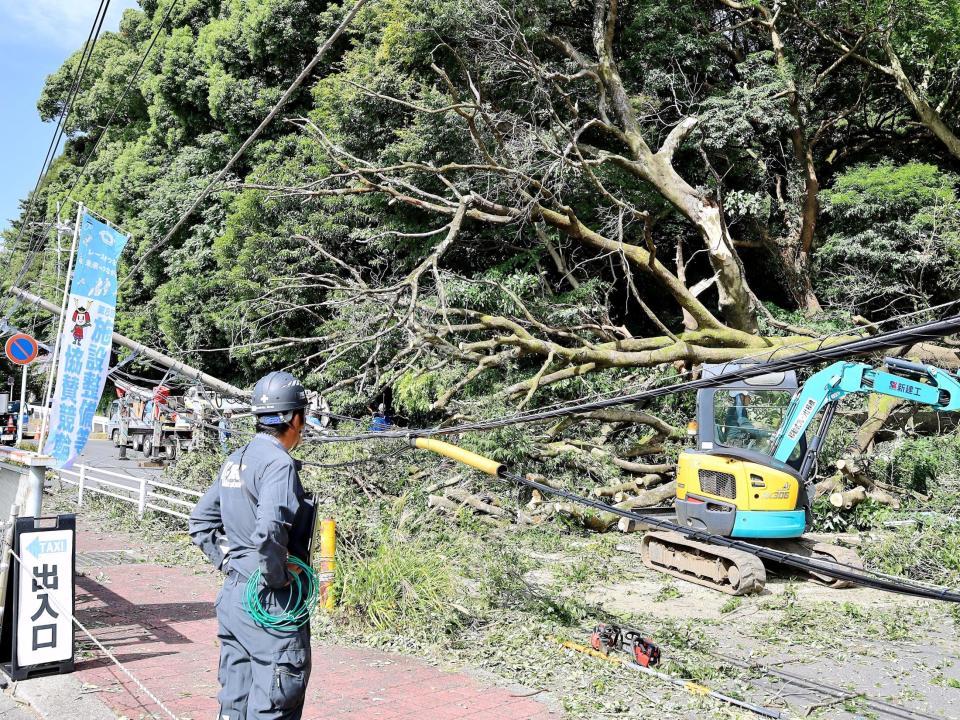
column 21, row 349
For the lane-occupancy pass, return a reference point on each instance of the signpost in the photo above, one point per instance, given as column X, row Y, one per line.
column 21, row 349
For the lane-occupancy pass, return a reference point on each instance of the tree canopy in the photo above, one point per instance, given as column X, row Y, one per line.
column 488, row 204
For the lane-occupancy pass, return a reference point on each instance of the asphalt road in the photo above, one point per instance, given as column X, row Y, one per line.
column 102, row 455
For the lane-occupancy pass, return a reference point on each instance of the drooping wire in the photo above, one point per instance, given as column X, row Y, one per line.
column 861, row 346
column 58, row 133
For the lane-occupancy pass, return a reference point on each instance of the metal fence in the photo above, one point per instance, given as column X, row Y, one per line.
column 146, row 494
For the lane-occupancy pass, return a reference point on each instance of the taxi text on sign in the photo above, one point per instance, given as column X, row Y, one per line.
column 86, row 341
column 44, row 625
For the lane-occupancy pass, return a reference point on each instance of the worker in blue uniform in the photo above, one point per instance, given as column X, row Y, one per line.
column 250, row 519
column 740, row 428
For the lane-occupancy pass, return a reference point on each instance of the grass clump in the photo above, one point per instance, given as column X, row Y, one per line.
column 396, row 586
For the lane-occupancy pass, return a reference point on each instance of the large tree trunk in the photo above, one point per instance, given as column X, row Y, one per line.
column 795, row 266
column 796, row 255
column 736, row 301
column 928, row 115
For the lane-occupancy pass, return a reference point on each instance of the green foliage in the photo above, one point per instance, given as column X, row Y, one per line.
column 393, row 586
column 864, row 516
column 929, row 552
column 750, row 110
column 895, row 237
column 919, row 463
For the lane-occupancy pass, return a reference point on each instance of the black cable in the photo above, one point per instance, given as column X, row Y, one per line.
column 58, row 133
column 835, row 570
column 874, row 343
column 113, row 114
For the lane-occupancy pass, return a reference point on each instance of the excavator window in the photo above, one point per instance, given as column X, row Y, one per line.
column 749, row 419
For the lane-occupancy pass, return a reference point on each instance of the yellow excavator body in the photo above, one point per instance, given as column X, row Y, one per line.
column 744, row 484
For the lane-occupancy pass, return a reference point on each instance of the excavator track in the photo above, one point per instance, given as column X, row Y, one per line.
column 818, row 550
column 730, row 571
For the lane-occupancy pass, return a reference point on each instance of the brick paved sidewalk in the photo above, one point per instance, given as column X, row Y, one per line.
column 160, row 623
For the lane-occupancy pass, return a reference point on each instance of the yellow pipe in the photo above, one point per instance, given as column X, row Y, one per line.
column 688, row 685
column 587, row 650
column 478, row 462
column 328, row 563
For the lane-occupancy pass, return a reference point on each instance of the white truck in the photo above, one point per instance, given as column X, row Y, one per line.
column 160, row 425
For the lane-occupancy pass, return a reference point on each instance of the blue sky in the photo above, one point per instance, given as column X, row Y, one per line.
column 36, row 36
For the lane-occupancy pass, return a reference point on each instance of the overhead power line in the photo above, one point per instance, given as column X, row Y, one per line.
column 304, row 74
column 58, row 134
column 862, row 346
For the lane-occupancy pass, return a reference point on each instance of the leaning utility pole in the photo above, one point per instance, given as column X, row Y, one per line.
column 164, row 360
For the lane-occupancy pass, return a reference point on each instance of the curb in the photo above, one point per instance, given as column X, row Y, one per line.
column 50, row 696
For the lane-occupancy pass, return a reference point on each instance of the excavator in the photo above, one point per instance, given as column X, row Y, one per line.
column 750, row 475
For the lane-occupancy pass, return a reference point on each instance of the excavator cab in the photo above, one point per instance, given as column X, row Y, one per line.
column 729, row 484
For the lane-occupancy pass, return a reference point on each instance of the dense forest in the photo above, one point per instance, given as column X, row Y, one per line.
column 485, row 205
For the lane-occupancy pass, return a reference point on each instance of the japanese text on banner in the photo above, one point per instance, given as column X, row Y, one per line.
column 86, row 340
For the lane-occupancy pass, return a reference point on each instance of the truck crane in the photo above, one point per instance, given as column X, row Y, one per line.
column 751, row 473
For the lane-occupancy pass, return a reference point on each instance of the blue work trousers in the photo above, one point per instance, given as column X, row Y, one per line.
column 263, row 672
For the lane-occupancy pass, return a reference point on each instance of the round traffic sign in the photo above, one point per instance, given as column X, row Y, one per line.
column 21, row 349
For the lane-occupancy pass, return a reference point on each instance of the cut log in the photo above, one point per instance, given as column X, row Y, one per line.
column 848, row 498
column 606, row 520
column 649, row 498
column 629, row 525
column 543, row 480
column 453, row 507
column 884, row 498
column 651, row 480
column 634, row 486
column 643, row 468
column 465, row 498
column 613, row 490
column 829, row 485
column 854, row 469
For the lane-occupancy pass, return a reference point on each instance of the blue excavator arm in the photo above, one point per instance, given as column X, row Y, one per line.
column 916, row 382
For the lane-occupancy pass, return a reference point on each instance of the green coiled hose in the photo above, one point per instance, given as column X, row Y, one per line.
column 300, row 605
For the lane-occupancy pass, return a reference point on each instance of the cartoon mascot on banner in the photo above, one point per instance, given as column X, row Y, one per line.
column 81, row 320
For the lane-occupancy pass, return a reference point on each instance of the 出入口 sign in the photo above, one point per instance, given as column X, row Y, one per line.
column 43, row 637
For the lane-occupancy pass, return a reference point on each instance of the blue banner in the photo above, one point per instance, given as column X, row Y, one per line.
column 85, row 341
